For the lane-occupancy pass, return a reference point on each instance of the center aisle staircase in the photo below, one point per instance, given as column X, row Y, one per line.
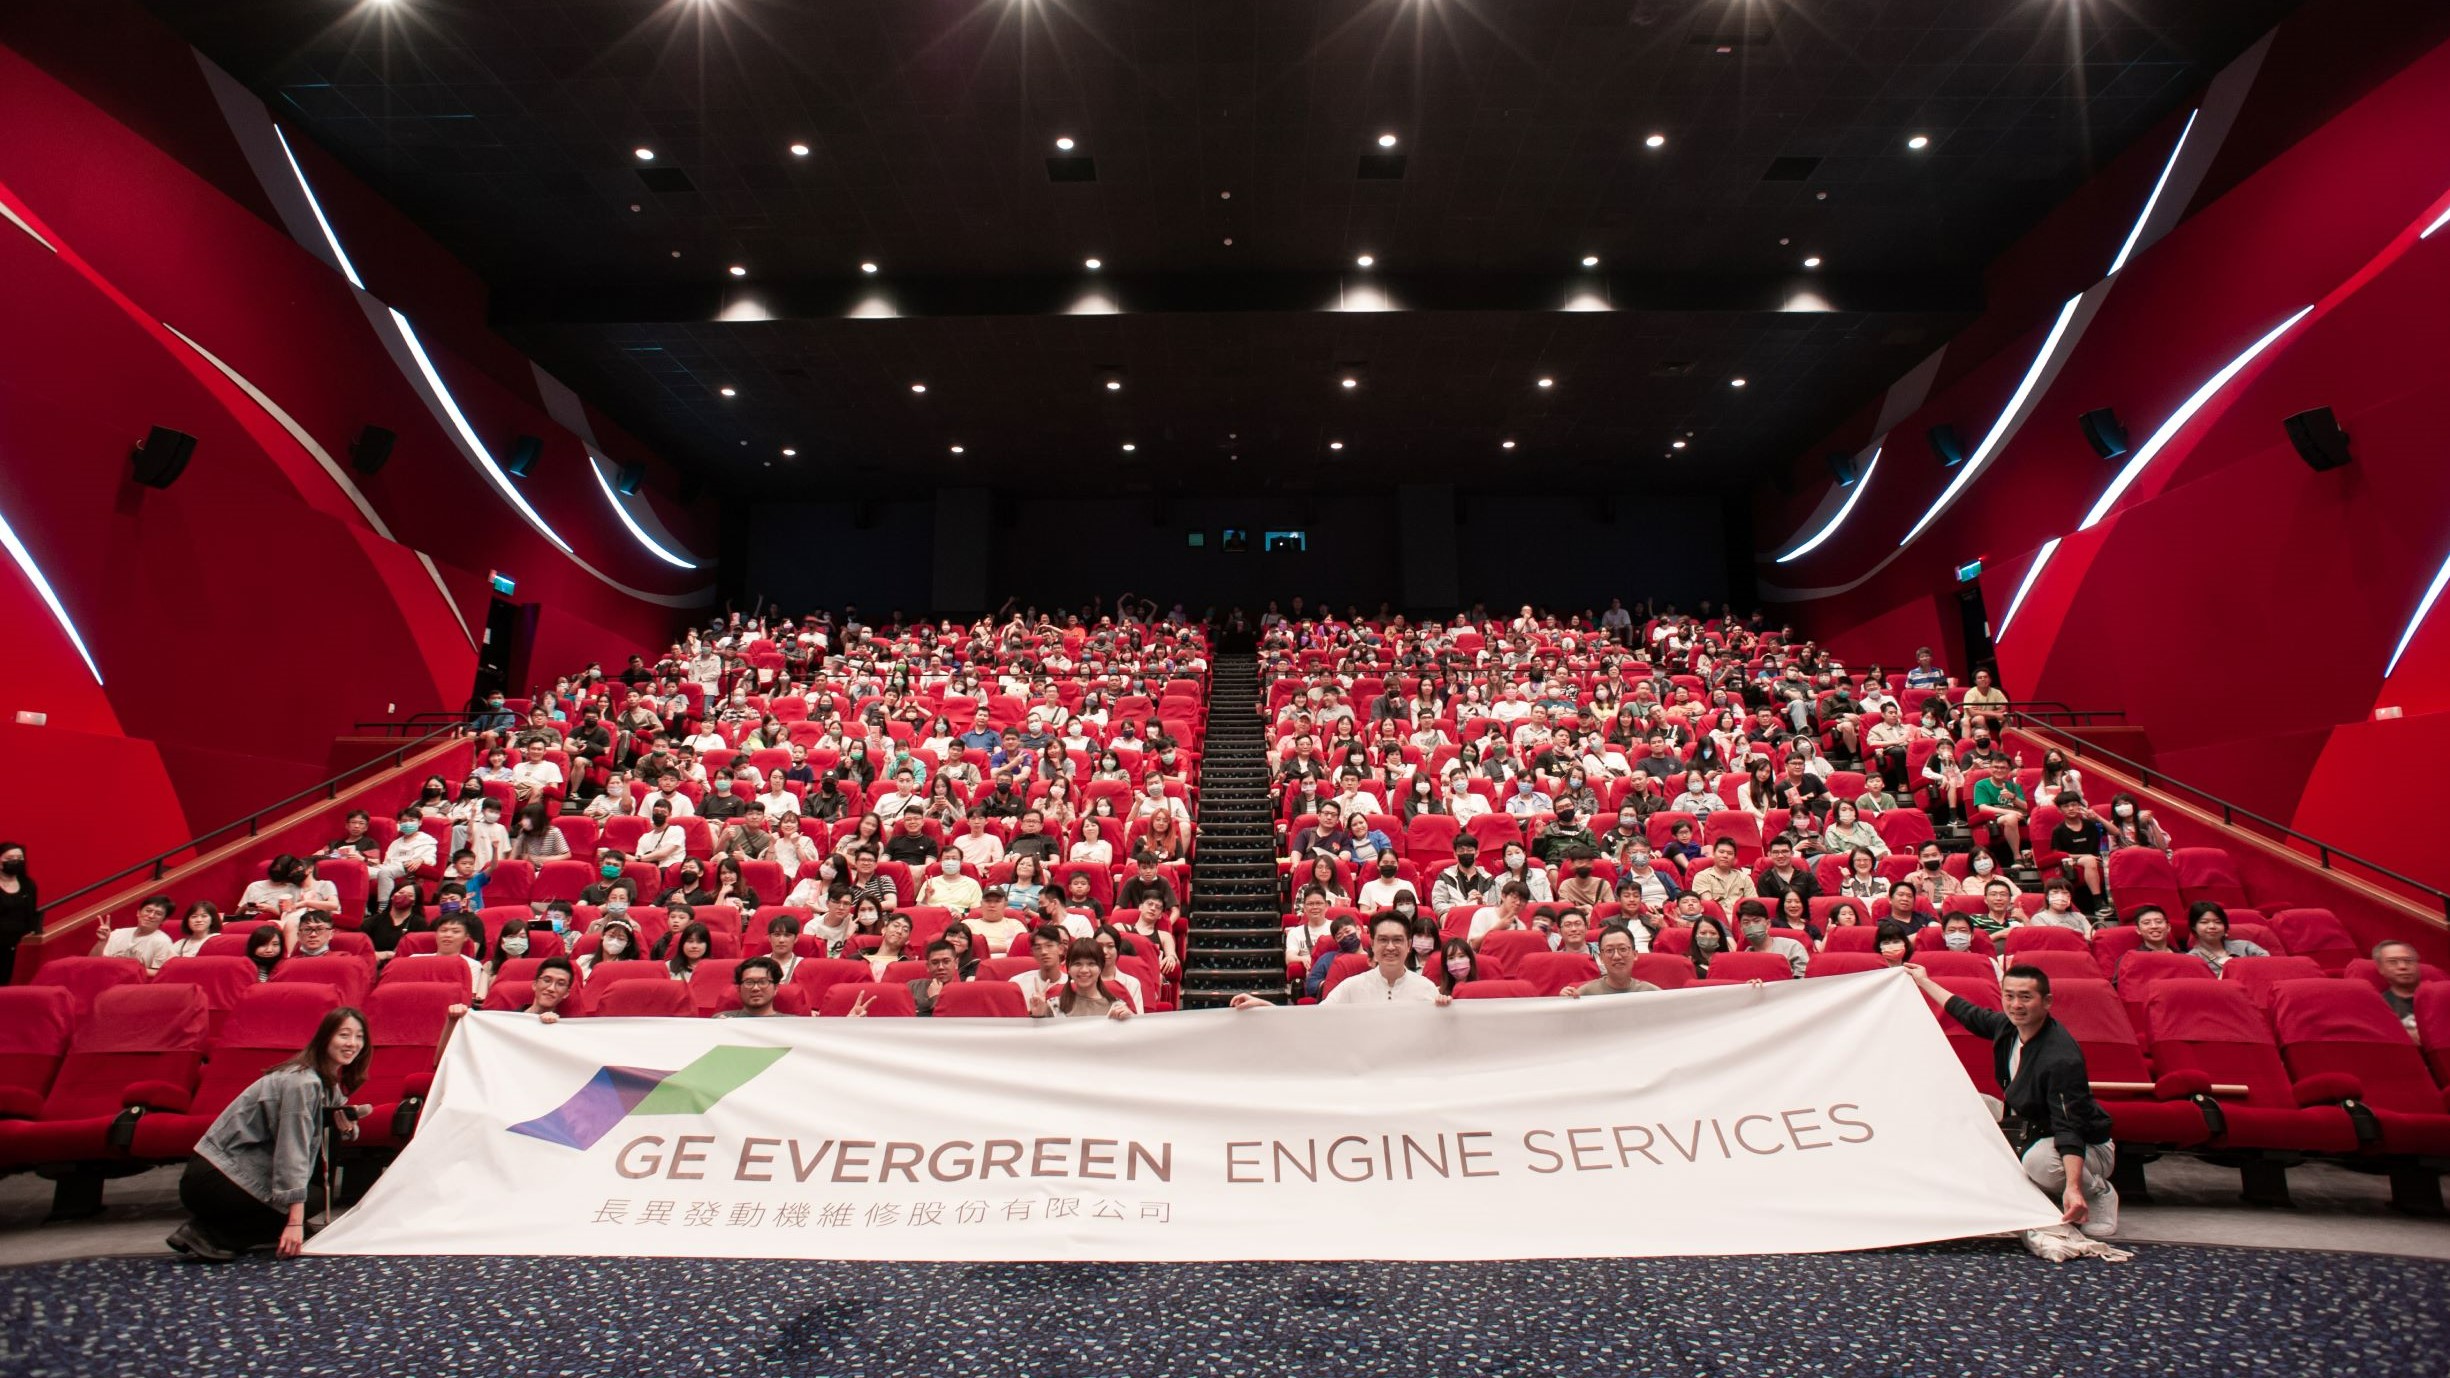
column 1237, row 935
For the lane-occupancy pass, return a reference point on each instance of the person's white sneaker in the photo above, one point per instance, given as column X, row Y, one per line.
column 2101, row 1213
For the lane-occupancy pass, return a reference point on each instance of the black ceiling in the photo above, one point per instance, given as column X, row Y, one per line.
column 1233, row 145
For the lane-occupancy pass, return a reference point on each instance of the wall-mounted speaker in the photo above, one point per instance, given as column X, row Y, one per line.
column 1947, row 445
column 371, row 449
column 2103, row 433
column 523, row 452
column 632, row 478
column 1842, row 468
column 2316, row 434
column 163, row 457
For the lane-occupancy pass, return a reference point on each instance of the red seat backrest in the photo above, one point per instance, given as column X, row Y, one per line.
column 885, row 1000
column 1664, row 970
column 1500, row 952
column 2343, row 1026
column 132, row 1034
column 1548, row 973
column 347, row 977
column 2433, row 1028
column 981, row 1000
column 1496, row 989
column 2257, row 975
column 448, row 970
column 2059, row 965
column 2026, row 938
column 2141, row 972
column 36, row 1023
column 221, row 980
column 1843, row 963
column 1750, row 966
column 2315, row 933
column 2211, row 1027
column 86, row 978
column 2097, row 1019
column 643, row 999
column 1345, row 966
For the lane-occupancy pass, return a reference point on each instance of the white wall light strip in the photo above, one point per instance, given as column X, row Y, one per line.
column 1842, row 513
column 2155, row 198
column 467, row 433
column 2428, row 230
column 2177, row 421
column 2033, row 572
column 595, row 466
column 347, row 268
column 2432, row 593
column 42, row 586
column 2009, row 416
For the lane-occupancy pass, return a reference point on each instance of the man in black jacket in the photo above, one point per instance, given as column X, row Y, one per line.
column 2068, row 1152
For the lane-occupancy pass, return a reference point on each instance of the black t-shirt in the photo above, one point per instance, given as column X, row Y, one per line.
column 1039, row 845
column 911, row 851
column 2084, row 841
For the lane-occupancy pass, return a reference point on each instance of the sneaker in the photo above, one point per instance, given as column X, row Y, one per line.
column 2101, row 1213
column 189, row 1240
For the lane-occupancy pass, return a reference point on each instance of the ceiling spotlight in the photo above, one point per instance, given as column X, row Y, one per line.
column 1386, row 141
column 789, row 453
column 1365, row 260
column 1064, row 143
column 1548, row 382
column 1812, row 262
column 738, row 271
column 1590, row 260
column 957, row 449
column 1919, row 141
column 867, row 267
column 645, row 155
column 1128, row 447
column 1335, row 444
column 918, row 387
column 799, row 150
column 1352, row 383
column 1092, row 264
column 729, row 392
column 1675, row 444
column 1505, row 445
column 1114, row 385
column 1735, row 382
column 1655, row 141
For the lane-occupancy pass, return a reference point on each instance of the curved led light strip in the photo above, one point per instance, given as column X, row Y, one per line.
column 2033, row 572
column 467, row 433
column 42, row 586
column 1842, row 513
column 595, row 466
column 2432, row 592
column 347, row 268
column 2155, row 198
column 2178, row 419
column 2428, row 230
column 2009, row 416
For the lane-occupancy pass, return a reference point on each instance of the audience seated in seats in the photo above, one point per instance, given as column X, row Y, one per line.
column 1084, row 994
column 2402, row 970
column 1616, row 954
column 1752, row 924
column 943, row 969
column 146, row 942
column 758, row 980
column 2209, row 923
column 1708, row 941
column 1391, row 977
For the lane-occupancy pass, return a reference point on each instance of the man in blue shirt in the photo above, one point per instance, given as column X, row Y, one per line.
column 981, row 735
column 1925, row 675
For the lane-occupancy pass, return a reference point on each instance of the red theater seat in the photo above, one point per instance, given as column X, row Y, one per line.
column 2211, row 1028
column 451, row 971
column 2030, row 938
column 2433, row 1029
column 643, row 999
column 1500, row 952
column 268, row 1025
column 2257, row 975
column 1499, row 989
column 1548, row 973
column 981, row 1000
column 1664, row 970
column 2206, row 873
column 2315, row 933
column 221, row 980
column 2096, row 1018
column 1842, row 963
column 1973, row 1051
column 85, row 978
column 1965, row 966
column 884, row 1001
column 2140, row 876
column 1751, row 966
column 348, row 977
column 36, row 1023
column 2342, row 1030
column 139, row 1042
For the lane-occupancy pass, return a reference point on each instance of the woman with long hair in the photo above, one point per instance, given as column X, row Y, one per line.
column 253, row 1179
column 1709, row 940
column 1457, row 965
column 196, row 927
column 1085, row 994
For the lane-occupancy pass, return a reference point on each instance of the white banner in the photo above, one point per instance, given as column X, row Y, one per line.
column 1794, row 1117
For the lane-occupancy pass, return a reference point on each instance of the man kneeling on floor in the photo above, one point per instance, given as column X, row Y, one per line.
column 2068, row 1152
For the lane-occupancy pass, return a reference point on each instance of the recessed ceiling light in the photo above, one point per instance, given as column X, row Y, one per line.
column 1064, row 143
column 729, row 392
column 1590, row 260
column 1675, row 444
column 918, row 387
column 1386, row 141
column 1655, row 141
column 738, row 271
column 1812, row 262
column 1093, row 264
column 1128, row 447
column 645, row 155
column 1352, row 382
column 1735, row 382
column 1365, row 260
column 1335, row 444
column 789, row 453
column 799, row 150
column 1548, row 382
column 1114, row 385
column 1919, row 141
column 957, row 449
column 676, row 253
column 1505, row 445
column 867, row 267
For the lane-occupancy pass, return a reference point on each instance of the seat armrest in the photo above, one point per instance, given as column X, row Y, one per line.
column 2328, row 1088
column 158, row 1095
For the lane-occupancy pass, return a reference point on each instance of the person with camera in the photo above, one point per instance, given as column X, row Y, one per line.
column 254, row 1178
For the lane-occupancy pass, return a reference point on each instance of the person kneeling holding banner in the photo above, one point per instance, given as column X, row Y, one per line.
column 1391, row 981
column 2067, row 1149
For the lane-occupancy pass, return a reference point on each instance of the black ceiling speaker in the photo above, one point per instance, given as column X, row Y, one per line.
column 1946, row 444
column 633, row 477
column 2316, row 434
column 2103, row 433
column 1842, row 468
column 163, row 457
column 371, row 449
column 523, row 454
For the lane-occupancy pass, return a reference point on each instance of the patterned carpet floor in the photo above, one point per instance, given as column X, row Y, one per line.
column 1976, row 1307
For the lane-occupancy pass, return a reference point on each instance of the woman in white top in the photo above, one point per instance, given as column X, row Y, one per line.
column 197, row 926
column 1760, row 791
column 1462, row 804
column 146, row 942
column 1094, row 846
column 616, row 941
column 1086, row 995
column 793, row 849
column 778, row 798
column 1058, row 805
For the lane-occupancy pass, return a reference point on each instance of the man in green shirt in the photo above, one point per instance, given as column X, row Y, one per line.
column 1567, row 832
column 2006, row 800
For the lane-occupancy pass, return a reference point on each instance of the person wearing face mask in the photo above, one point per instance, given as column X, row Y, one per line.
column 1381, row 893
column 1343, row 937
column 725, row 801
column 1462, row 883
column 1893, row 944
column 1582, row 887
column 1456, row 966
column 1981, row 869
column 1957, row 932
column 1563, row 837
column 1697, row 798
column 411, row 851
column 1527, row 798
column 1709, row 940
column 608, row 870
column 1752, row 922
column 2130, row 824
column 1421, row 796
column 616, row 941
column 1516, row 870
column 951, row 887
column 402, row 913
column 511, row 943
column 690, row 889
column 1932, row 887
column 2059, row 908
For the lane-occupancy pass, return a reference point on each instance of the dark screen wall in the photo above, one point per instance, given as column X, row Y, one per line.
column 1504, row 549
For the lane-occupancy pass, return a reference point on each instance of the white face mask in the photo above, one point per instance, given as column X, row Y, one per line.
column 1424, row 944
column 515, row 946
column 1959, row 942
column 614, row 947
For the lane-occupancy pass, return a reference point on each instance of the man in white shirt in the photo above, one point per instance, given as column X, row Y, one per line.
column 451, row 939
column 411, row 850
column 146, row 942
column 991, row 925
column 664, row 841
column 1154, row 800
column 949, row 888
column 980, row 848
column 534, row 774
column 1390, row 981
column 667, row 795
column 1047, row 947
column 1504, row 914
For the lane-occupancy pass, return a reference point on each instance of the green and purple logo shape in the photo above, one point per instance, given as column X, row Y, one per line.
column 615, row 1094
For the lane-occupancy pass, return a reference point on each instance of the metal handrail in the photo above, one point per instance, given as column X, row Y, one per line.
column 2048, row 709
column 2230, row 814
column 328, row 789
column 430, row 719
